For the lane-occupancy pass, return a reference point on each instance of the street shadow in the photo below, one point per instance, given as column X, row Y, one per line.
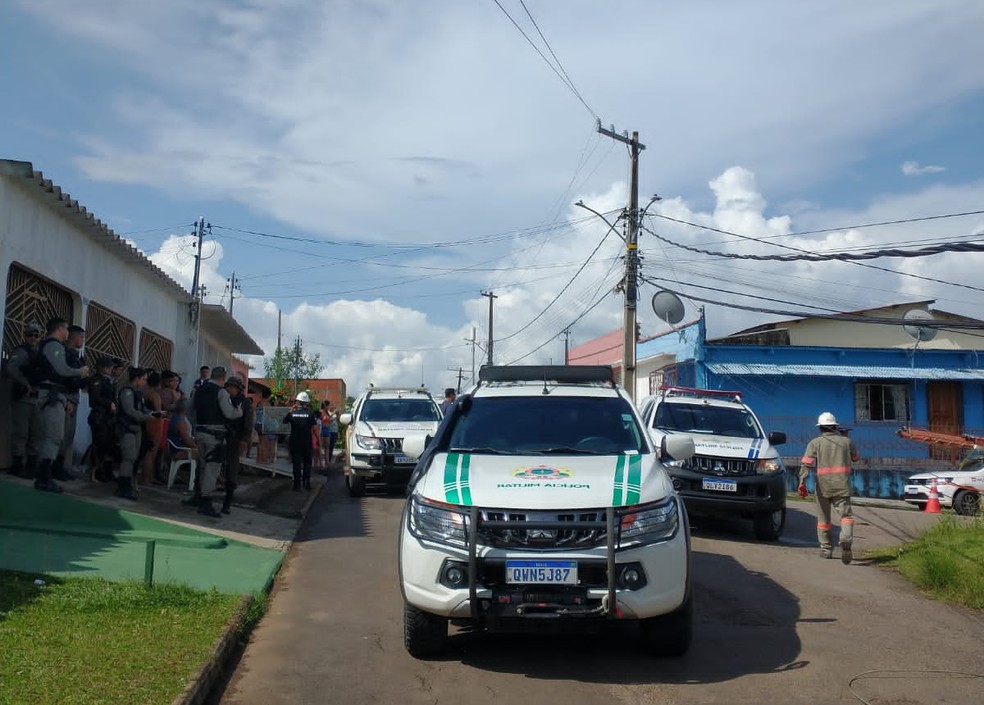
column 335, row 514
column 800, row 530
column 745, row 623
column 18, row 589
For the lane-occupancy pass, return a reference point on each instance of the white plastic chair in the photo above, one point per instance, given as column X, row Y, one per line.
column 176, row 464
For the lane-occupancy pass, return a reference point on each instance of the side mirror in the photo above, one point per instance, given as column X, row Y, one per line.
column 777, row 438
column 414, row 445
column 677, row 447
column 345, row 419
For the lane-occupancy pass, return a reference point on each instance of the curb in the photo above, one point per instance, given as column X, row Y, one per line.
column 203, row 681
column 200, row 687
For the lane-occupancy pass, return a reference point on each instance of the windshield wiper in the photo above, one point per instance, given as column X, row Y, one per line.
column 566, row 450
column 492, row 451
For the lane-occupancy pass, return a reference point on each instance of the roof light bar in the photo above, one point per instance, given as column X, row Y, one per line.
column 671, row 390
column 573, row 374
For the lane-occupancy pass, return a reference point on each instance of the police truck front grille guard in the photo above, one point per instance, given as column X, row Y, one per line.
column 477, row 523
column 525, row 529
column 726, row 466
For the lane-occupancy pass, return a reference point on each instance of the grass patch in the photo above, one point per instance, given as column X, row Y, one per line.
column 946, row 562
column 88, row 641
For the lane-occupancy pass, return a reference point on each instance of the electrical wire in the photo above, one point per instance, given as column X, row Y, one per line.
column 655, row 280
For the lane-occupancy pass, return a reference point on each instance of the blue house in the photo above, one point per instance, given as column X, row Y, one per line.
column 874, row 376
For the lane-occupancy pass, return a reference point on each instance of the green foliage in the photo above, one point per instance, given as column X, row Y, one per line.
column 288, row 365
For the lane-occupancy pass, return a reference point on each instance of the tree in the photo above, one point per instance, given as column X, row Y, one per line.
column 289, row 366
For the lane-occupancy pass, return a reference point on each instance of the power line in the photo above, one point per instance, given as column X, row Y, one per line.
column 655, row 280
column 563, row 77
column 552, row 338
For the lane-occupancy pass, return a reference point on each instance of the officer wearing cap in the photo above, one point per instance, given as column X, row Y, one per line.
column 238, row 432
column 74, row 358
column 55, row 375
column 213, row 412
column 25, row 433
column 102, row 418
column 133, row 414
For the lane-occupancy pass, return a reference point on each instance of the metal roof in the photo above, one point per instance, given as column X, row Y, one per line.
column 857, row 371
column 220, row 322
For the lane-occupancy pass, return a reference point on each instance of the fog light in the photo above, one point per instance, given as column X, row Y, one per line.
column 631, row 577
column 454, row 574
column 677, row 484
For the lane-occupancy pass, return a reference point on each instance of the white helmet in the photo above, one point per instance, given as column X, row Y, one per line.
column 826, row 419
column 304, row 397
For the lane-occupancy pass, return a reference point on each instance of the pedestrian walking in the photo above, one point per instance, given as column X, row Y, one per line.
column 132, row 417
column 329, row 431
column 25, row 411
column 302, row 420
column 213, row 412
column 831, row 455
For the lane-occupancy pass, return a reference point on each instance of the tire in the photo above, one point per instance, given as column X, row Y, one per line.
column 424, row 634
column 669, row 635
column 967, row 503
column 356, row 485
column 769, row 525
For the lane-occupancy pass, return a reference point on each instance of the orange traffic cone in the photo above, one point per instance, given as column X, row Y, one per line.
column 933, row 505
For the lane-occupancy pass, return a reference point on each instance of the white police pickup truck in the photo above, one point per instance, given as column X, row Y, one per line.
column 541, row 501
column 961, row 488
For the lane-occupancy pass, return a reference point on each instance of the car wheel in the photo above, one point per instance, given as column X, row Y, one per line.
column 356, row 485
column 769, row 525
column 424, row 634
column 966, row 502
column 670, row 634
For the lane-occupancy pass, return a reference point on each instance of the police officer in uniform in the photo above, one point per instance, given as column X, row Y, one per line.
column 213, row 412
column 102, row 419
column 25, row 433
column 238, row 435
column 74, row 358
column 301, row 420
column 130, row 420
column 55, row 375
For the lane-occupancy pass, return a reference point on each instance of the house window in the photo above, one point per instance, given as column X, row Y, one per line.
column 881, row 402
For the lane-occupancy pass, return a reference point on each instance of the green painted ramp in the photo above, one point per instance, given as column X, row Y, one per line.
column 42, row 532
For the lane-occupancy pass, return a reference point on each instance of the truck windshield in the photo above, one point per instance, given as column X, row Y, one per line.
column 400, row 410
column 548, row 425
column 712, row 420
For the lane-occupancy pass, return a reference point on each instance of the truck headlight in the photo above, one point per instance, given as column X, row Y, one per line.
column 437, row 521
column 649, row 523
column 768, row 466
column 368, row 442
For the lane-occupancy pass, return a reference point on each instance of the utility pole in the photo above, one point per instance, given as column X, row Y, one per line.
column 200, row 234
column 567, row 345
column 473, row 342
column 492, row 297
column 631, row 260
column 280, row 323
column 461, row 374
column 233, row 288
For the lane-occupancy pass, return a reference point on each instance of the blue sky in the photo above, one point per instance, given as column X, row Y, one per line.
column 385, row 123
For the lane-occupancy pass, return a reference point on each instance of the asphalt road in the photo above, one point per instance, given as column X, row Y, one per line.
column 775, row 624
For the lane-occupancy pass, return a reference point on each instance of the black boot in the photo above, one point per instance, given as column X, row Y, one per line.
column 192, row 501
column 227, row 502
column 124, row 488
column 297, row 481
column 43, row 481
column 16, row 466
column 205, row 507
column 307, row 481
column 59, row 472
column 31, row 469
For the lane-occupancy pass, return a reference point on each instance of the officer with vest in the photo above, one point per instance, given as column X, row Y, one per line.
column 213, row 412
column 831, row 454
column 102, row 418
column 301, row 420
column 238, row 433
column 25, row 432
column 74, row 358
column 132, row 416
column 55, row 375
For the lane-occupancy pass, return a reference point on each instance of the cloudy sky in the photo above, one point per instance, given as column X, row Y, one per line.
column 369, row 167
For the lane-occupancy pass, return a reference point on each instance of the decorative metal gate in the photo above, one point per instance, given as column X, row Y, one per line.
column 108, row 333
column 155, row 351
column 31, row 299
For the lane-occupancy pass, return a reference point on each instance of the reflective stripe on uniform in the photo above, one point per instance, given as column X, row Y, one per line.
column 807, row 460
column 847, row 520
column 838, row 470
column 824, row 527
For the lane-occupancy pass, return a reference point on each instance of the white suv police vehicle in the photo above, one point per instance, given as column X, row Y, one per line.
column 961, row 488
column 736, row 469
column 542, row 501
column 380, row 419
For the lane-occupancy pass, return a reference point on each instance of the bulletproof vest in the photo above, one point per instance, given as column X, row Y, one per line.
column 46, row 371
column 31, row 370
column 207, row 411
column 138, row 404
column 102, row 392
column 75, row 360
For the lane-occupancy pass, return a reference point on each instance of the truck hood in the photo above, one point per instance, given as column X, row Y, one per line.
column 731, row 446
column 394, row 429
column 544, row 482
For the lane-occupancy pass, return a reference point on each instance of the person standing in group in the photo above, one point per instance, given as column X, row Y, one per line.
column 132, row 417
column 25, row 431
column 329, row 431
column 449, row 396
column 153, row 429
column 74, row 358
column 213, row 412
column 239, row 432
column 302, row 420
column 203, row 377
column 102, row 419
column 259, row 411
column 316, row 441
column 831, row 455
column 55, row 375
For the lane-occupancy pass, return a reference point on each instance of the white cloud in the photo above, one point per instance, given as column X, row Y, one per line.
column 914, row 169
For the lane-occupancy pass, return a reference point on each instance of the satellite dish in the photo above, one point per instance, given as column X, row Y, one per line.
column 916, row 331
column 668, row 307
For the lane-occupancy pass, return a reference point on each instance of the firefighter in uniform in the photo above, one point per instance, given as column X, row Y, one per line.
column 213, row 412
column 301, row 420
column 25, row 432
column 74, row 358
column 55, row 376
column 831, row 455
column 102, row 419
column 130, row 420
